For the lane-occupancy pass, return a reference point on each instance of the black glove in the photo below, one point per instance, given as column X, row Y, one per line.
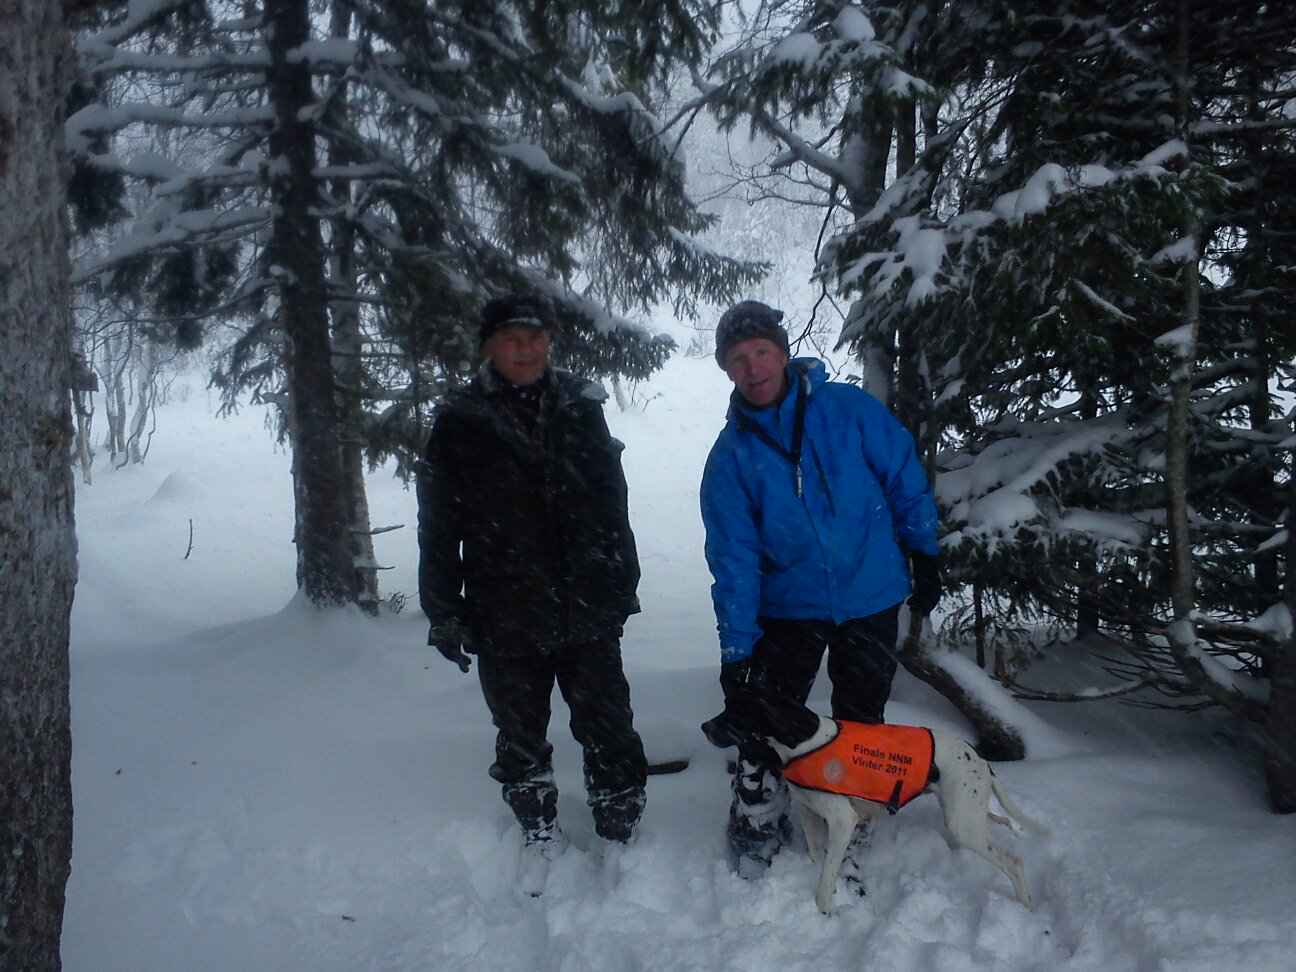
column 450, row 641
column 926, row 582
column 454, row 652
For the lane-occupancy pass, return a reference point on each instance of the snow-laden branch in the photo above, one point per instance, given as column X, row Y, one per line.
column 179, row 229
column 120, row 61
column 922, row 245
column 98, row 120
column 141, row 15
column 990, row 495
column 1210, row 677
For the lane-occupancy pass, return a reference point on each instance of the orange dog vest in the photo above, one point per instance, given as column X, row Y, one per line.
column 883, row 763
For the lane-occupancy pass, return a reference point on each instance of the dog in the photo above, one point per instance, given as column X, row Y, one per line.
column 962, row 780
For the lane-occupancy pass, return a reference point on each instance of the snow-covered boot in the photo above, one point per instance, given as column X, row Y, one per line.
column 539, row 851
column 616, row 815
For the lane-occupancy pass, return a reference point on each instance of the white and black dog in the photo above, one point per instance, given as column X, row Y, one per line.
column 961, row 779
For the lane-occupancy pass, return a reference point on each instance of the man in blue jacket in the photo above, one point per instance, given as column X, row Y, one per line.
column 815, row 506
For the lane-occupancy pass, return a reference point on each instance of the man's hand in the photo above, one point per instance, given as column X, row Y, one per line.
column 449, row 639
column 927, row 585
column 454, row 652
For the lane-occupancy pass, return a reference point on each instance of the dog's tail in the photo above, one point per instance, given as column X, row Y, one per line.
column 1014, row 812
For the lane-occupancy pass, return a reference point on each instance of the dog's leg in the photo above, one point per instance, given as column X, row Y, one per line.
column 816, row 830
column 839, row 817
column 966, row 784
column 1011, row 865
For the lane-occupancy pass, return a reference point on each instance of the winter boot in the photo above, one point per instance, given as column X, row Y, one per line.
column 616, row 815
column 539, row 851
column 758, row 819
column 534, row 801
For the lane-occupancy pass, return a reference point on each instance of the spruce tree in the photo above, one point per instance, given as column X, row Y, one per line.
column 442, row 154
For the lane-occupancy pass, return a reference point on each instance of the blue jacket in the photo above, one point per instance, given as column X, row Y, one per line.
column 838, row 549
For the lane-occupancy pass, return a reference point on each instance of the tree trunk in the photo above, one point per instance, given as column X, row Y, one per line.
column 145, row 380
column 996, row 739
column 37, row 540
column 979, row 625
column 1090, row 585
column 116, row 362
column 867, row 153
column 1280, row 723
column 84, row 384
column 348, row 345
column 296, row 256
column 1262, row 492
column 1183, row 633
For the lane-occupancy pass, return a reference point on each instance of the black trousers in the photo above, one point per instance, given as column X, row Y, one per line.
column 590, row 677
column 861, row 666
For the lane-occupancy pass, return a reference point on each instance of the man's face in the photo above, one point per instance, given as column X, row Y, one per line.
column 755, row 366
column 519, row 353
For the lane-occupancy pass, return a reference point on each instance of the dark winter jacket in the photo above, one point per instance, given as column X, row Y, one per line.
column 524, row 534
column 825, row 541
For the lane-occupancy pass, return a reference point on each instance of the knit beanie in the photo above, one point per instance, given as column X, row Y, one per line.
column 517, row 310
column 748, row 319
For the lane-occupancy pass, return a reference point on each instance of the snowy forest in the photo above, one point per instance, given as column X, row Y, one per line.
column 1058, row 239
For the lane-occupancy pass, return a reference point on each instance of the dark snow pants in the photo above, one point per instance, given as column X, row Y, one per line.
column 590, row 677
column 861, row 666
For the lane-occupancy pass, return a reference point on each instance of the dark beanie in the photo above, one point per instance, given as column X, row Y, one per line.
column 748, row 319
column 517, row 310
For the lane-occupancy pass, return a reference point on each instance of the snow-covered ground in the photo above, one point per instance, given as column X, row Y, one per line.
column 258, row 787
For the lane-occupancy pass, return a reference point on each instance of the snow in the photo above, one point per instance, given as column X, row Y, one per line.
column 536, row 159
column 1276, row 620
column 1108, row 528
column 853, row 24
column 1178, row 339
column 801, row 49
column 340, row 51
column 1180, row 251
column 260, row 786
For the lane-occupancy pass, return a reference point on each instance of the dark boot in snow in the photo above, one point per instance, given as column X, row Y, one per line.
column 616, row 815
column 534, row 802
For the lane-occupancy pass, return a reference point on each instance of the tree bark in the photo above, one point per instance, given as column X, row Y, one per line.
column 37, row 539
column 296, row 256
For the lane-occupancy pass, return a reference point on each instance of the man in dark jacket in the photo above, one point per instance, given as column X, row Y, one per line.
column 816, row 509
column 526, row 559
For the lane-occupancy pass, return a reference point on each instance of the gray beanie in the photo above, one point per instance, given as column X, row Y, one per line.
column 748, row 319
